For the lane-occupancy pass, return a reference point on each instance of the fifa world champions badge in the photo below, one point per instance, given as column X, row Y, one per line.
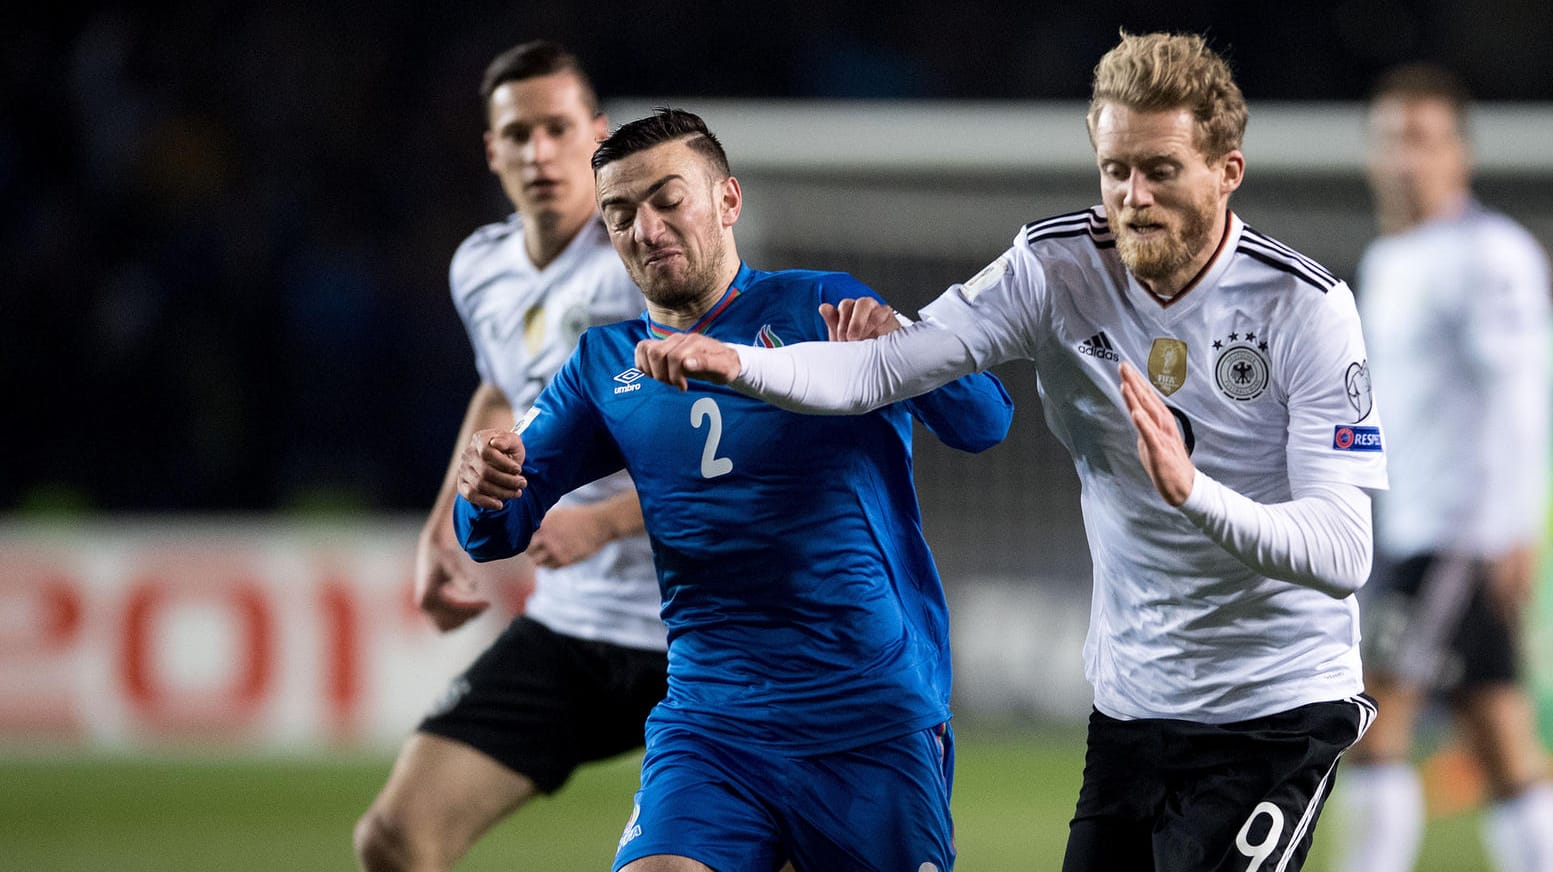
column 1167, row 365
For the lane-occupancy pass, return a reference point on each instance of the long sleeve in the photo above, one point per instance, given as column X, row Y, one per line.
column 850, row 378
column 971, row 413
column 1320, row 539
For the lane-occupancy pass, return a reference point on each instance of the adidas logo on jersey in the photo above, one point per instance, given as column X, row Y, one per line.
column 629, row 381
column 1099, row 345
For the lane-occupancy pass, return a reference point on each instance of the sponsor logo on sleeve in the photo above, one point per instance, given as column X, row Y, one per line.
column 989, row 276
column 527, row 419
column 1352, row 437
column 633, row 829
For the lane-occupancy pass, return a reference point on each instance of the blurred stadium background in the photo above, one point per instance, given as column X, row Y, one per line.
column 231, row 373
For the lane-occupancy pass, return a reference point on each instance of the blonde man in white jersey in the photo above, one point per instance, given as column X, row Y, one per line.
column 571, row 680
column 1456, row 304
column 1210, row 384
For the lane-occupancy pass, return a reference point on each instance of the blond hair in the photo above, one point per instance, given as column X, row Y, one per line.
column 1162, row 71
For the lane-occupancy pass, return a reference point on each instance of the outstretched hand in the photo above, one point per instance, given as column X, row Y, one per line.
column 685, row 356
column 1160, row 445
column 491, row 468
column 858, row 318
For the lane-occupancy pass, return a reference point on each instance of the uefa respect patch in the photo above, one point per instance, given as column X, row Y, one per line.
column 1349, row 437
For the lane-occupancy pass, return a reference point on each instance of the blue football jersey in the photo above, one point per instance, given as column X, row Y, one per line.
column 803, row 607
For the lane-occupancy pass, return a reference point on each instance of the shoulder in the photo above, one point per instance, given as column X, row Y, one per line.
column 825, row 284
column 1499, row 240
column 475, row 253
column 1273, row 262
column 1086, row 228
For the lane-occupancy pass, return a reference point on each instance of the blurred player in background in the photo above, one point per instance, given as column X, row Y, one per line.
column 1205, row 378
column 1456, row 310
column 572, row 679
column 809, row 675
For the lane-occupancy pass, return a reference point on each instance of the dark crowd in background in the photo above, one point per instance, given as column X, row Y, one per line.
column 226, row 229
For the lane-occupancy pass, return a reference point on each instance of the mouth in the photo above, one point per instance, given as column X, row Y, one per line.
column 661, row 258
column 542, row 186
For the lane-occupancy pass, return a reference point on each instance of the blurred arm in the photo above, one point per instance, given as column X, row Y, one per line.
column 443, row 586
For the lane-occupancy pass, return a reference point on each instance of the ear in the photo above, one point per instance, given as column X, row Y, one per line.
column 730, row 201
column 600, row 127
column 490, row 151
column 1233, row 172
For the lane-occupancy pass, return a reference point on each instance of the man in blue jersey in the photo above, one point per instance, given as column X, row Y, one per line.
column 806, row 716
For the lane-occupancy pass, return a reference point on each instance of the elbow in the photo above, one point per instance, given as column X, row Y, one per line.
column 978, row 441
column 1349, row 572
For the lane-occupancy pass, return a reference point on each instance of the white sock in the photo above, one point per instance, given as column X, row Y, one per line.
column 1381, row 812
column 1518, row 832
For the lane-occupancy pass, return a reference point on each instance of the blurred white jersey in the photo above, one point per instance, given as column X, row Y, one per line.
column 524, row 323
column 1457, row 317
column 1262, row 362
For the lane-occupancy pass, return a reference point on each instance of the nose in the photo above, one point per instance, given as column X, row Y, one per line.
column 648, row 227
column 1138, row 193
column 539, row 148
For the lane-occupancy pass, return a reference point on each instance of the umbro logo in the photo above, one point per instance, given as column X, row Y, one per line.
column 1099, row 345
column 629, row 380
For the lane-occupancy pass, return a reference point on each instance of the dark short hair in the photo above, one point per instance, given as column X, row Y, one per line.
column 663, row 125
column 531, row 60
column 1425, row 81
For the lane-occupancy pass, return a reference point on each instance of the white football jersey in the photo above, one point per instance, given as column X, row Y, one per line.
column 524, row 323
column 1262, row 363
column 1457, row 318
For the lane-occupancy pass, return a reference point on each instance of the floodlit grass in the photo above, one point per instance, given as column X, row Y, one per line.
column 1013, row 794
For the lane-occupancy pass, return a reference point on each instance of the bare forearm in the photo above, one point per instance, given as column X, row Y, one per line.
column 621, row 514
column 487, row 408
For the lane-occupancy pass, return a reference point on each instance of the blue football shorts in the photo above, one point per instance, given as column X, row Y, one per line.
column 881, row 807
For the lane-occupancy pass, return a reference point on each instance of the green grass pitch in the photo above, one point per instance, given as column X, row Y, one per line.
column 1014, row 791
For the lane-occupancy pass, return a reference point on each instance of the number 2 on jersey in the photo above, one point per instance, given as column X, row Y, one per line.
column 705, row 409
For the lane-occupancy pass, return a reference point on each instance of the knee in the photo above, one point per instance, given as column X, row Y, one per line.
column 386, row 843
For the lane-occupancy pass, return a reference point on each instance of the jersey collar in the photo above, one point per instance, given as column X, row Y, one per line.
column 740, row 280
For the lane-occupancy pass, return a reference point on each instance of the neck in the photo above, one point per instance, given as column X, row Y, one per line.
column 547, row 235
column 1405, row 216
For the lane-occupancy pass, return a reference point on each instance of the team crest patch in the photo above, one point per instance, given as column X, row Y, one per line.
column 1167, row 365
column 1240, row 369
column 1357, row 383
column 989, row 276
column 1351, row 437
column 767, row 338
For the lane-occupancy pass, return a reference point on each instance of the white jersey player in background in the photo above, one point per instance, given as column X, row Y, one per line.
column 1210, row 384
column 1456, row 304
column 573, row 678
